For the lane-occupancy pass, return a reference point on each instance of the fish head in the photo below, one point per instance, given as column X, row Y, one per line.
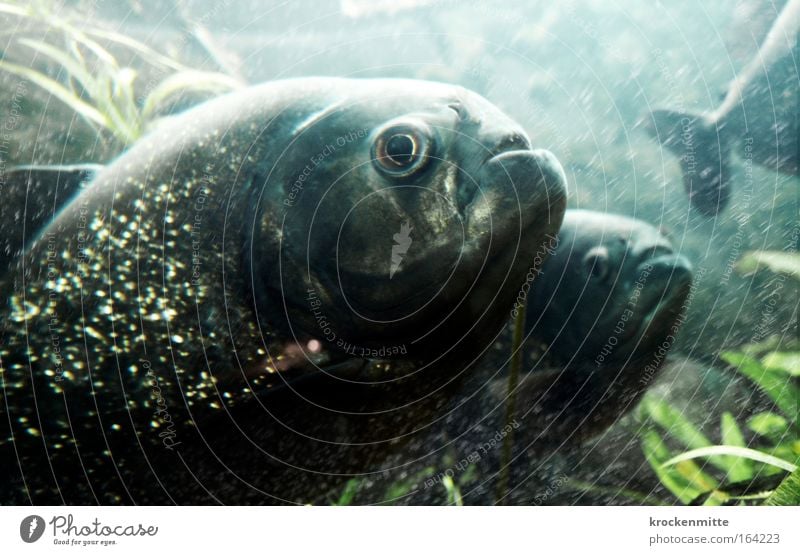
column 421, row 207
column 612, row 291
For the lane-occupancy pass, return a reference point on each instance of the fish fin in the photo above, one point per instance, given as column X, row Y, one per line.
column 703, row 153
column 32, row 197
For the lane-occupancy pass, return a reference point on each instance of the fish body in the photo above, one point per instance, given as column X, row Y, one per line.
column 141, row 341
column 32, row 198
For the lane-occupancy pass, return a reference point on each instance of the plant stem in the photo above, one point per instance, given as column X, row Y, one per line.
column 511, row 400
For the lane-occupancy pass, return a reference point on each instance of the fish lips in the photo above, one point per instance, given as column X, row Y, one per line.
column 669, row 279
column 517, row 190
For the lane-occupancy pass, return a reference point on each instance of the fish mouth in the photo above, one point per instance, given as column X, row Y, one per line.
column 675, row 282
column 510, row 145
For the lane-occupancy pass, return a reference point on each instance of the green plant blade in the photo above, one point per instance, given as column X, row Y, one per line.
column 775, row 261
column 740, row 469
column 187, row 81
column 685, row 481
column 453, row 492
column 788, row 362
column 13, row 10
column 74, row 67
column 348, row 493
column 679, row 427
column 671, row 419
column 59, row 91
column 744, row 452
column 788, row 493
column 101, row 53
column 148, row 54
column 775, row 384
column 754, row 489
column 768, row 424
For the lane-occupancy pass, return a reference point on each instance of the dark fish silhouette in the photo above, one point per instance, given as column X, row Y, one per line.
column 758, row 119
column 138, row 349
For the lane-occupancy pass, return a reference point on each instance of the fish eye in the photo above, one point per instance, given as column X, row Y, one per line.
column 596, row 263
column 402, row 149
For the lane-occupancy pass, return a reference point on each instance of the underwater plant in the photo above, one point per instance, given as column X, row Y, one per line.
column 92, row 82
column 737, row 471
column 446, row 486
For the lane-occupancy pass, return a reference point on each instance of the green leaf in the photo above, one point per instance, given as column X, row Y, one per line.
column 776, row 261
column 744, row 452
column 788, row 493
column 680, row 428
column 771, row 343
column 59, row 91
column 100, row 53
column 183, row 81
column 124, row 97
column 11, row 9
column 686, row 482
column 671, row 419
column 739, row 493
column 348, row 493
column 147, row 54
column 788, row 362
column 768, row 424
column 73, row 67
column 740, row 469
column 776, row 385
column 453, row 492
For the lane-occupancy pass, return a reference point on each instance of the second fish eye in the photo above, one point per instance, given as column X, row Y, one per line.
column 596, row 263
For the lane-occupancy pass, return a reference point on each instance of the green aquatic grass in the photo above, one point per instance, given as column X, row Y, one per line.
column 91, row 81
column 788, row 492
column 453, row 491
column 750, row 470
column 774, row 382
column 733, row 451
column 348, row 493
column 775, row 450
column 775, row 261
column 511, row 402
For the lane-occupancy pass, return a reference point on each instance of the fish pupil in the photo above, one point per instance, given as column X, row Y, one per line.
column 400, row 149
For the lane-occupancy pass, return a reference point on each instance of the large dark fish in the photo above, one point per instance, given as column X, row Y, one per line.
column 32, row 197
column 606, row 308
column 609, row 275
column 758, row 119
column 381, row 219
column 602, row 315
